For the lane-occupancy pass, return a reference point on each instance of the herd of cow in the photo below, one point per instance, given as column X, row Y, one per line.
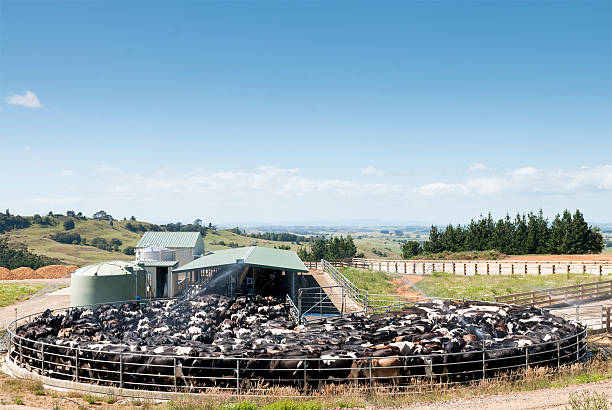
column 214, row 340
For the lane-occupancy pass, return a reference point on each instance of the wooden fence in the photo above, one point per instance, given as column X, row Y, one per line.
column 606, row 318
column 558, row 296
column 459, row 267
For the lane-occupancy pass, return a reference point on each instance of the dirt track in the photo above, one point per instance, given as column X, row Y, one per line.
column 52, row 300
column 540, row 399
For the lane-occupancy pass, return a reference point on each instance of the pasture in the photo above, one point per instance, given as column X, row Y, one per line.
column 11, row 293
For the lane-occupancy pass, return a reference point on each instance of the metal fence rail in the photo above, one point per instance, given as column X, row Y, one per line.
column 561, row 295
column 123, row 368
column 471, row 267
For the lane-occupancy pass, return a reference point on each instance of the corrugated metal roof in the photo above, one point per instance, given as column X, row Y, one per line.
column 252, row 255
column 170, row 239
column 161, row 264
column 110, row 268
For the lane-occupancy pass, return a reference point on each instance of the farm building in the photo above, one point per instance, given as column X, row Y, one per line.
column 249, row 270
column 160, row 253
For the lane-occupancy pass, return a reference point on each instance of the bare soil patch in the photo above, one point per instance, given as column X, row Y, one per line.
column 404, row 285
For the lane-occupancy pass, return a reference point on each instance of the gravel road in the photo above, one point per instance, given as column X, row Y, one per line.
column 540, row 399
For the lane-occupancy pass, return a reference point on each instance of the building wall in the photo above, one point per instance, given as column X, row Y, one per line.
column 183, row 255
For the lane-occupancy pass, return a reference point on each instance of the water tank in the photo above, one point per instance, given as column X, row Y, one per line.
column 106, row 282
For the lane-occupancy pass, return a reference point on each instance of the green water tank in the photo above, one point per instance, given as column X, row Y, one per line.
column 106, row 282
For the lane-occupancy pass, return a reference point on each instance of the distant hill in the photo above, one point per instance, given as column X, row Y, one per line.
column 124, row 234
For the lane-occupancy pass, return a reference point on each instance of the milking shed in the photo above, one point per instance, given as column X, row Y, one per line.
column 247, row 270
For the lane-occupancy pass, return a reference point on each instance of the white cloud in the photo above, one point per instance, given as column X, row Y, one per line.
column 477, row 167
column 28, row 99
column 27, row 148
column 269, row 181
column 56, row 201
column 528, row 180
column 373, row 171
column 64, row 173
column 106, row 168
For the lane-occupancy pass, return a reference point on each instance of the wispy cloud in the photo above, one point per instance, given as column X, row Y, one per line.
column 64, row 173
column 106, row 168
column 528, row 180
column 477, row 167
column 272, row 181
column 28, row 99
column 372, row 171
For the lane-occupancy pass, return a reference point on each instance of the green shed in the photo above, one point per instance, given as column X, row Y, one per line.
column 107, row 282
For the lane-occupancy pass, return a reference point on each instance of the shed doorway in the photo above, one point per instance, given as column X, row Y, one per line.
column 161, row 282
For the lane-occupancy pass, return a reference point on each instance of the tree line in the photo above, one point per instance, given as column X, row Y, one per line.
column 16, row 255
column 332, row 248
column 526, row 234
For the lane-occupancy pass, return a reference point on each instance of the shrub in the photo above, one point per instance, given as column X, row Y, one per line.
column 587, row 400
column 129, row 250
column 65, row 237
column 68, row 225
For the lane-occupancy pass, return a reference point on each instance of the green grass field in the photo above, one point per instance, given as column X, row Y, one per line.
column 11, row 293
column 446, row 285
column 372, row 281
column 36, row 237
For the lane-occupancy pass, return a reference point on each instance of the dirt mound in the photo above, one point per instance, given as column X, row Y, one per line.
column 55, row 271
column 46, row 272
column 23, row 273
column 5, row 273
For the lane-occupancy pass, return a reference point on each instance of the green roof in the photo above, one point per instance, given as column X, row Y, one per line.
column 108, row 269
column 269, row 258
column 160, row 264
column 173, row 240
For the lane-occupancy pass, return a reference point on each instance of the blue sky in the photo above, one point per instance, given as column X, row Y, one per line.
column 307, row 111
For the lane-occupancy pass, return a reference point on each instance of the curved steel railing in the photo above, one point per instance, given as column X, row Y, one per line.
column 120, row 367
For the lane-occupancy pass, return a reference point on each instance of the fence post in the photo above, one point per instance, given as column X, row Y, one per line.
column 321, row 302
column 539, row 269
column 512, row 268
column 423, row 268
column 305, row 379
column 342, row 311
column 42, row 359
column 583, row 268
column 525, row 269
column 526, row 358
column 370, row 370
column 577, row 349
column 499, row 268
column 414, row 268
column 487, row 268
column 476, row 268
column 484, row 363
column 553, row 268
column 464, row 269
column 300, row 305
column 558, row 355
column 600, row 270
column 568, row 269
column 121, row 370
column 76, row 364
column 453, row 268
column 175, row 385
column 608, row 318
column 577, row 312
column 238, row 377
